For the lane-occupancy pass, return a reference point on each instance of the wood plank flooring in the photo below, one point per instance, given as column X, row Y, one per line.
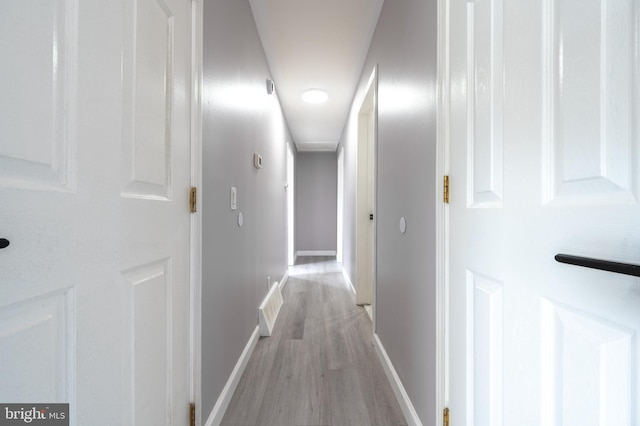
column 319, row 367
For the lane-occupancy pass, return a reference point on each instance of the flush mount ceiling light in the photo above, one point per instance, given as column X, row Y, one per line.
column 314, row 96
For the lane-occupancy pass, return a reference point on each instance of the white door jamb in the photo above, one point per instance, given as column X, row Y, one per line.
column 195, row 275
column 442, row 215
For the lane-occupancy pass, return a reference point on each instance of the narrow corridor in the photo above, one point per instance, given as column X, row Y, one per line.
column 319, row 367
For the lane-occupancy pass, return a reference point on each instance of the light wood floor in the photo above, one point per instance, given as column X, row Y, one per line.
column 319, row 367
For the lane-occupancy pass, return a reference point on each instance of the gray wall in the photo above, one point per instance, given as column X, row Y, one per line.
column 316, row 202
column 239, row 118
column 404, row 47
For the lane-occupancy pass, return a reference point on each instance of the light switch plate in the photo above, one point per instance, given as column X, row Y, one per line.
column 234, row 198
column 257, row 161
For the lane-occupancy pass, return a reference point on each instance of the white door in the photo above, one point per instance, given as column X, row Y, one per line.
column 365, row 194
column 544, row 160
column 94, row 173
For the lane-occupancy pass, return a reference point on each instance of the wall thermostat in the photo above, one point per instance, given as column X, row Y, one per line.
column 257, row 161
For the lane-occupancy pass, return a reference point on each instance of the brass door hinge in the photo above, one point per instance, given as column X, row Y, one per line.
column 445, row 417
column 193, row 199
column 446, row 189
column 192, row 414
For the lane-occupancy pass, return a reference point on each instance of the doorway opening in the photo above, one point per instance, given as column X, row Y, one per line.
column 365, row 199
column 290, row 209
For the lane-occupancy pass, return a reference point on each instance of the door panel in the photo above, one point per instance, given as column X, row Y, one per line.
column 39, row 84
column 149, row 65
column 150, row 339
column 581, row 351
column 484, row 74
column 484, row 315
column 590, row 96
column 38, row 333
column 544, row 160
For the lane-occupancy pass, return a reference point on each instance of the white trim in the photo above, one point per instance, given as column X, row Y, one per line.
column 348, row 280
column 290, row 188
column 442, row 212
column 284, row 279
column 406, row 405
column 340, row 207
column 315, row 253
column 369, row 309
column 195, row 273
column 215, row 417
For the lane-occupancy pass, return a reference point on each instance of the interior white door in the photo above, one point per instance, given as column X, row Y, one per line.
column 94, row 174
column 544, row 160
column 365, row 193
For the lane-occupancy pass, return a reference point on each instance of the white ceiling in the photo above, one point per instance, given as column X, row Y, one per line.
column 316, row 44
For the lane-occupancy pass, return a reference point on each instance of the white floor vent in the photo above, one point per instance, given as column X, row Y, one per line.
column 269, row 310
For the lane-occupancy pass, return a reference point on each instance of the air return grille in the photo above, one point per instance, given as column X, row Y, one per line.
column 269, row 310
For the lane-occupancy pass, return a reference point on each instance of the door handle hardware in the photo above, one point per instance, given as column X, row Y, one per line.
column 603, row 265
column 4, row 243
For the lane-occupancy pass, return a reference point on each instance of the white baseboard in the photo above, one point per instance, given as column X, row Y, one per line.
column 369, row 309
column 222, row 403
column 348, row 280
column 409, row 412
column 316, row 253
column 284, row 279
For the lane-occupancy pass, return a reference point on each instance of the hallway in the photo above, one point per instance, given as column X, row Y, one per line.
column 319, row 366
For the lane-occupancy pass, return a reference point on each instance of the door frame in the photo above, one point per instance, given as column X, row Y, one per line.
column 442, row 211
column 340, row 212
column 291, row 203
column 195, row 274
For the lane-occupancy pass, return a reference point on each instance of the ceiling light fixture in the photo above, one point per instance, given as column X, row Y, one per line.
column 314, row 96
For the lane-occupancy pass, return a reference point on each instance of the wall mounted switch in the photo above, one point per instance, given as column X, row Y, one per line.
column 234, row 198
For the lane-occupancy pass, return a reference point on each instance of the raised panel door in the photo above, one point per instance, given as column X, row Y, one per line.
column 94, row 177
column 544, row 160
